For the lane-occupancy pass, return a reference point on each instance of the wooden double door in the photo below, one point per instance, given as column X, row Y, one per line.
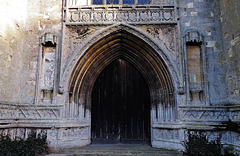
column 120, row 109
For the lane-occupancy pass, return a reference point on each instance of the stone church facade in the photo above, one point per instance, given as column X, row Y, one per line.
column 183, row 54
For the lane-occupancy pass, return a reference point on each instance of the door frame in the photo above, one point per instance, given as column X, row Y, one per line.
column 142, row 106
column 149, row 58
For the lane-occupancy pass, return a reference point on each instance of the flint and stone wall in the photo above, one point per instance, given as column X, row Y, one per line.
column 231, row 44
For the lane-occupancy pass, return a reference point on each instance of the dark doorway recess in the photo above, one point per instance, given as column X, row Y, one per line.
column 120, row 105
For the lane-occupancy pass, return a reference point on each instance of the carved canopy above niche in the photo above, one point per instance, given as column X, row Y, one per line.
column 193, row 36
column 49, row 37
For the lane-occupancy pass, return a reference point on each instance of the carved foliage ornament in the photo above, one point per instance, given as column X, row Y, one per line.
column 164, row 33
column 79, row 34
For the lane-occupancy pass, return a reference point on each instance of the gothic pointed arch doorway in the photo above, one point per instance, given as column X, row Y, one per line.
column 120, row 105
column 145, row 58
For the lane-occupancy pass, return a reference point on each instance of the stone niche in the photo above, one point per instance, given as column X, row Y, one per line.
column 47, row 63
column 195, row 72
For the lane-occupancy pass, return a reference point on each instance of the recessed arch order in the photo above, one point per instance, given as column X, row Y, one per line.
column 126, row 42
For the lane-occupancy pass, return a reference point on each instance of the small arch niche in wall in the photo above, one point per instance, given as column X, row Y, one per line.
column 48, row 58
column 48, row 67
column 195, row 68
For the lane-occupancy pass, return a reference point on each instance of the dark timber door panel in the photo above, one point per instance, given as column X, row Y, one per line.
column 120, row 105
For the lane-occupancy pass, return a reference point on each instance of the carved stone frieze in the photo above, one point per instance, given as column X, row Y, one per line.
column 53, row 133
column 29, row 113
column 236, row 139
column 71, row 133
column 14, row 133
column 207, row 114
column 210, row 135
column 134, row 15
column 166, row 134
column 235, row 115
column 204, row 115
column 226, row 137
